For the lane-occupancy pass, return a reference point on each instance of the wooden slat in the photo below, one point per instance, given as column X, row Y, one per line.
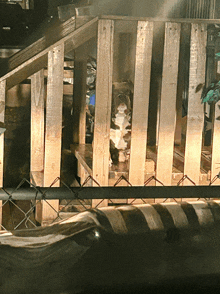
column 37, row 135
column 195, row 118
column 37, row 178
column 84, row 156
column 25, row 70
column 82, row 115
column 83, row 174
column 81, row 20
column 167, row 119
column 79, row 100
column 53, row 125
column 141, row 102
column 2, row 119
column 160, row 19
column 103, row 103
column 38, row 61
column 215, row 163
column 37, row 121
column 81, row 35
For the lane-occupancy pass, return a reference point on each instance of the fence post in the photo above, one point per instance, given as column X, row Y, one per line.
column 53, row 134
column 167, row 119
column 195, row 116
column 2, row 119
column 215, row 165
column 79, row 96
column 103, row 104
column 37, row 134
column 141, row 102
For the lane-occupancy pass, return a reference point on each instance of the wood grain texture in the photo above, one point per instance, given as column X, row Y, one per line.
column 167, row 118
column 141, row 102
column 37, row 121
column 2, row 119
column 37, row 135
column 215, row 164
column 79, row 101
column 160, row 19
column 53, row 134
column 195, row 118
column 103, row 102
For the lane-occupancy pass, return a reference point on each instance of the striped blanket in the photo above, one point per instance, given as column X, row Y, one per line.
column 126, row 247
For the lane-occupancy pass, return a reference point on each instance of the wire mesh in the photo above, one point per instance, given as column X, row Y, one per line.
column 28, row 215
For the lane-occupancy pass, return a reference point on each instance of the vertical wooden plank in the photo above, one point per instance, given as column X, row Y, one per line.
column 215, row 164
column 141, row 102
column 178, row 135
column 167, row 119
column 195, row 118
column 53, row 125
column 37, row 134
column 37, row 121
column 79, row 100
column 2, row 119
column 103, row 103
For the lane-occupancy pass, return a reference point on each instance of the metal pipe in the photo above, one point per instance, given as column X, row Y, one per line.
column 111, row 192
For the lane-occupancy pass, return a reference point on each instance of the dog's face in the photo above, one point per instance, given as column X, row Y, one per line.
column 121, row 102
column 122, row 108
column 121, row 96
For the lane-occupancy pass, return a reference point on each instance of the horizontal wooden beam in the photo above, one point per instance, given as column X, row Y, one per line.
column 24, row 71
column 155, row 19
column 39, row 61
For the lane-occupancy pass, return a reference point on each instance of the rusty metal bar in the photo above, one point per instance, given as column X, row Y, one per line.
column 31, row 193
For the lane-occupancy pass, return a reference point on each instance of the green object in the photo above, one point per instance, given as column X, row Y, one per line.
column 211, row 93
column 208, row 97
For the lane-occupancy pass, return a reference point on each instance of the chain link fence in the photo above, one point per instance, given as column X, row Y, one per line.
column 20, row 216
